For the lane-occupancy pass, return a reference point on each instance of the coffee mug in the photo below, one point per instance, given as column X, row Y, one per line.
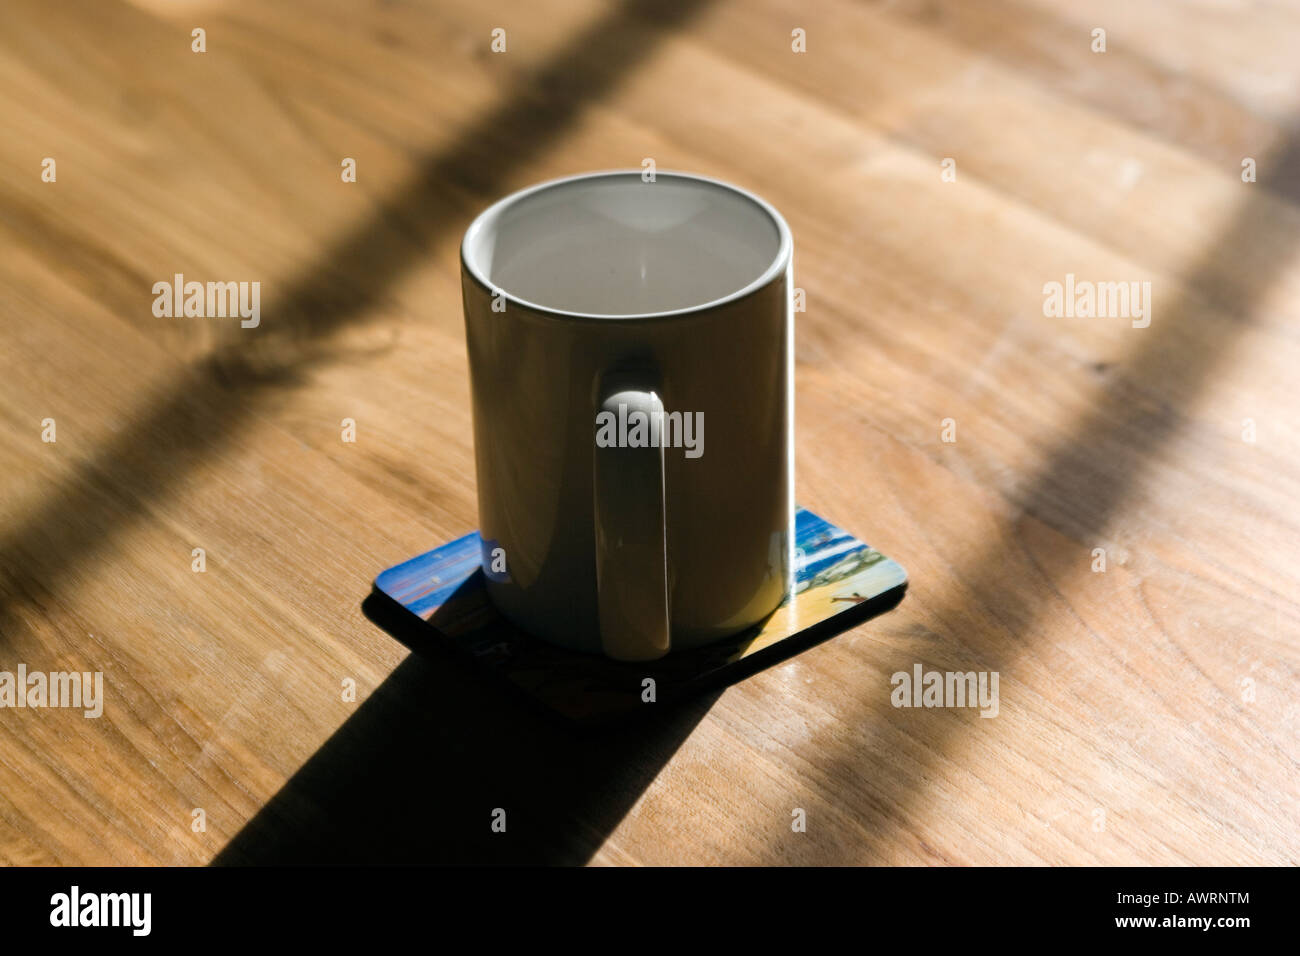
column 631, row 346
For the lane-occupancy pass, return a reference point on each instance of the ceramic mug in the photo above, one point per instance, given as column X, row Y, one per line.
column 631, row 365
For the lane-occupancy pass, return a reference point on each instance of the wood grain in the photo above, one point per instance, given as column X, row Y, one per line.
column 1158, row 697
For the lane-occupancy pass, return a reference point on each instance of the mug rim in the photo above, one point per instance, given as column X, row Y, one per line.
column 780, row 262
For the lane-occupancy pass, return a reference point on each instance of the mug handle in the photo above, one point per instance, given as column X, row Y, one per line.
column 631, row 541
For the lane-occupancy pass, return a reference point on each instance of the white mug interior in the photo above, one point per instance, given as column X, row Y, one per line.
column 610, row 245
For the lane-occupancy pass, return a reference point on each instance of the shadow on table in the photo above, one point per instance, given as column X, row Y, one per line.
column 416, row 774
column 483, row 717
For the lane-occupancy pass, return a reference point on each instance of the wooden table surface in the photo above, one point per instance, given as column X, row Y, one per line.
column 1148, row 712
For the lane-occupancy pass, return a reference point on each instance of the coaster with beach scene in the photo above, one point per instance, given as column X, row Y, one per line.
column 840, row 582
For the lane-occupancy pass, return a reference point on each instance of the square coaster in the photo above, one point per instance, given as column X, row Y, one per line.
column 840, row 582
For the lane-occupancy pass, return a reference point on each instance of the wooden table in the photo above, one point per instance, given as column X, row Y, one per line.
column 1148, row 712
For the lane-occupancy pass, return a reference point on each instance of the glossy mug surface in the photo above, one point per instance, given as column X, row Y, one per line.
column 631, row 365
